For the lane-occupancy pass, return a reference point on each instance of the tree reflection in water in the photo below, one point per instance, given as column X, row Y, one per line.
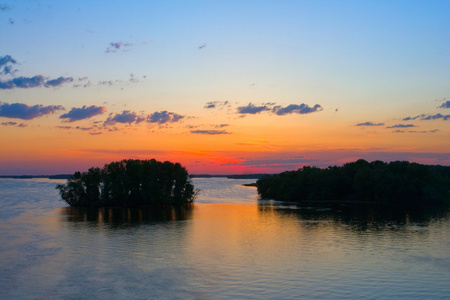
column 130, row 216
column 358, row 217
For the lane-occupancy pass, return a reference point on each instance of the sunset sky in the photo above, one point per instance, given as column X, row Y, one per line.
column 223, row 87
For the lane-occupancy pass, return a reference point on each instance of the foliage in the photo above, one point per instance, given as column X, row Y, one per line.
column 129, row 183
column 398, row 183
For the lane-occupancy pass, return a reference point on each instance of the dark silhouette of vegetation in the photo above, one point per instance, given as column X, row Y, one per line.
column 129, row 183
column 397, row 183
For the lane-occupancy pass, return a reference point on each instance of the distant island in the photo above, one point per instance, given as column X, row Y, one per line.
column 67, row 176
column 57, row 176
column 399, row 183
column 129, row 183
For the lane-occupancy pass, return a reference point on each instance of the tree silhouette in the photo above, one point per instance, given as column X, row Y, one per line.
column 129, row 183
column 397, row 183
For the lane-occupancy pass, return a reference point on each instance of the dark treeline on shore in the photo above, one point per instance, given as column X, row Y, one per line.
column 58, row 176
column 396, row 183
column 129, row 183
column 67, row 176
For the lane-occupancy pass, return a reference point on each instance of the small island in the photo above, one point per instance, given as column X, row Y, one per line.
column 398, row 183
column 129, row 183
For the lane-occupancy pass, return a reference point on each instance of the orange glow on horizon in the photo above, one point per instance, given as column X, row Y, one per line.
column 247, row 147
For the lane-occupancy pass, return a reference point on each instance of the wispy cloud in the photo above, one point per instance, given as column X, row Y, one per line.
column 32, row 82
column 216, row 104
column 84, row 128
column 116, row 46
column 209, row 132
column 163, row 117
column 401, row 126
column 130, row 117
column 6, row 63
column 252, row 109
column 370, row 124
column 25, row 112
column 93, row 130
column 106, row 82
column 23, row 82
column 6, row 68
column 436, row 117
column 9, row 123
column 210, row 105
column 85, row 112
column 425, row 117
column 125, row 117
column 85, row 85
column 416, row 131
column 278, row 109
column 297, row 109
column 133, row 79
column 412, row 118
column 58, row 81
column 15, row 124
column 446, row 104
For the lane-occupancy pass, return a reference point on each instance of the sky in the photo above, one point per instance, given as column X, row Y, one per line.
column 223, row 87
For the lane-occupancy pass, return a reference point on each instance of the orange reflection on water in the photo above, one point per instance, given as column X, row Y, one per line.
column 229, row 235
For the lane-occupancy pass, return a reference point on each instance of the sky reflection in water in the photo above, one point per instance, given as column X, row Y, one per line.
column 220, row 250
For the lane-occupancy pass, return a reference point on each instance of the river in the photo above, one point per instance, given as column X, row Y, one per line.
column 228, row 245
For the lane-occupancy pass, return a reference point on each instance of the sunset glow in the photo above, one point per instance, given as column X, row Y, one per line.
column 223, row 87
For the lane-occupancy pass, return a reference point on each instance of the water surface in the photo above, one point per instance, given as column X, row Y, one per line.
column 228, row 245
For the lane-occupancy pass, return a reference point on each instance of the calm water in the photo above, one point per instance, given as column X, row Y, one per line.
column 229, row 245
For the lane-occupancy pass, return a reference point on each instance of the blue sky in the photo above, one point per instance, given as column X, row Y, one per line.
column 364, row 63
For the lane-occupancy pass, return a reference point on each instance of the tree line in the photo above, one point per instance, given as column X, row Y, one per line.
column 129, row 183
column 397, row 182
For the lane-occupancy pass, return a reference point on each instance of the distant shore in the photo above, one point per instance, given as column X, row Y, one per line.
column 58, row 176
column 399, row 183
column 67, row 176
